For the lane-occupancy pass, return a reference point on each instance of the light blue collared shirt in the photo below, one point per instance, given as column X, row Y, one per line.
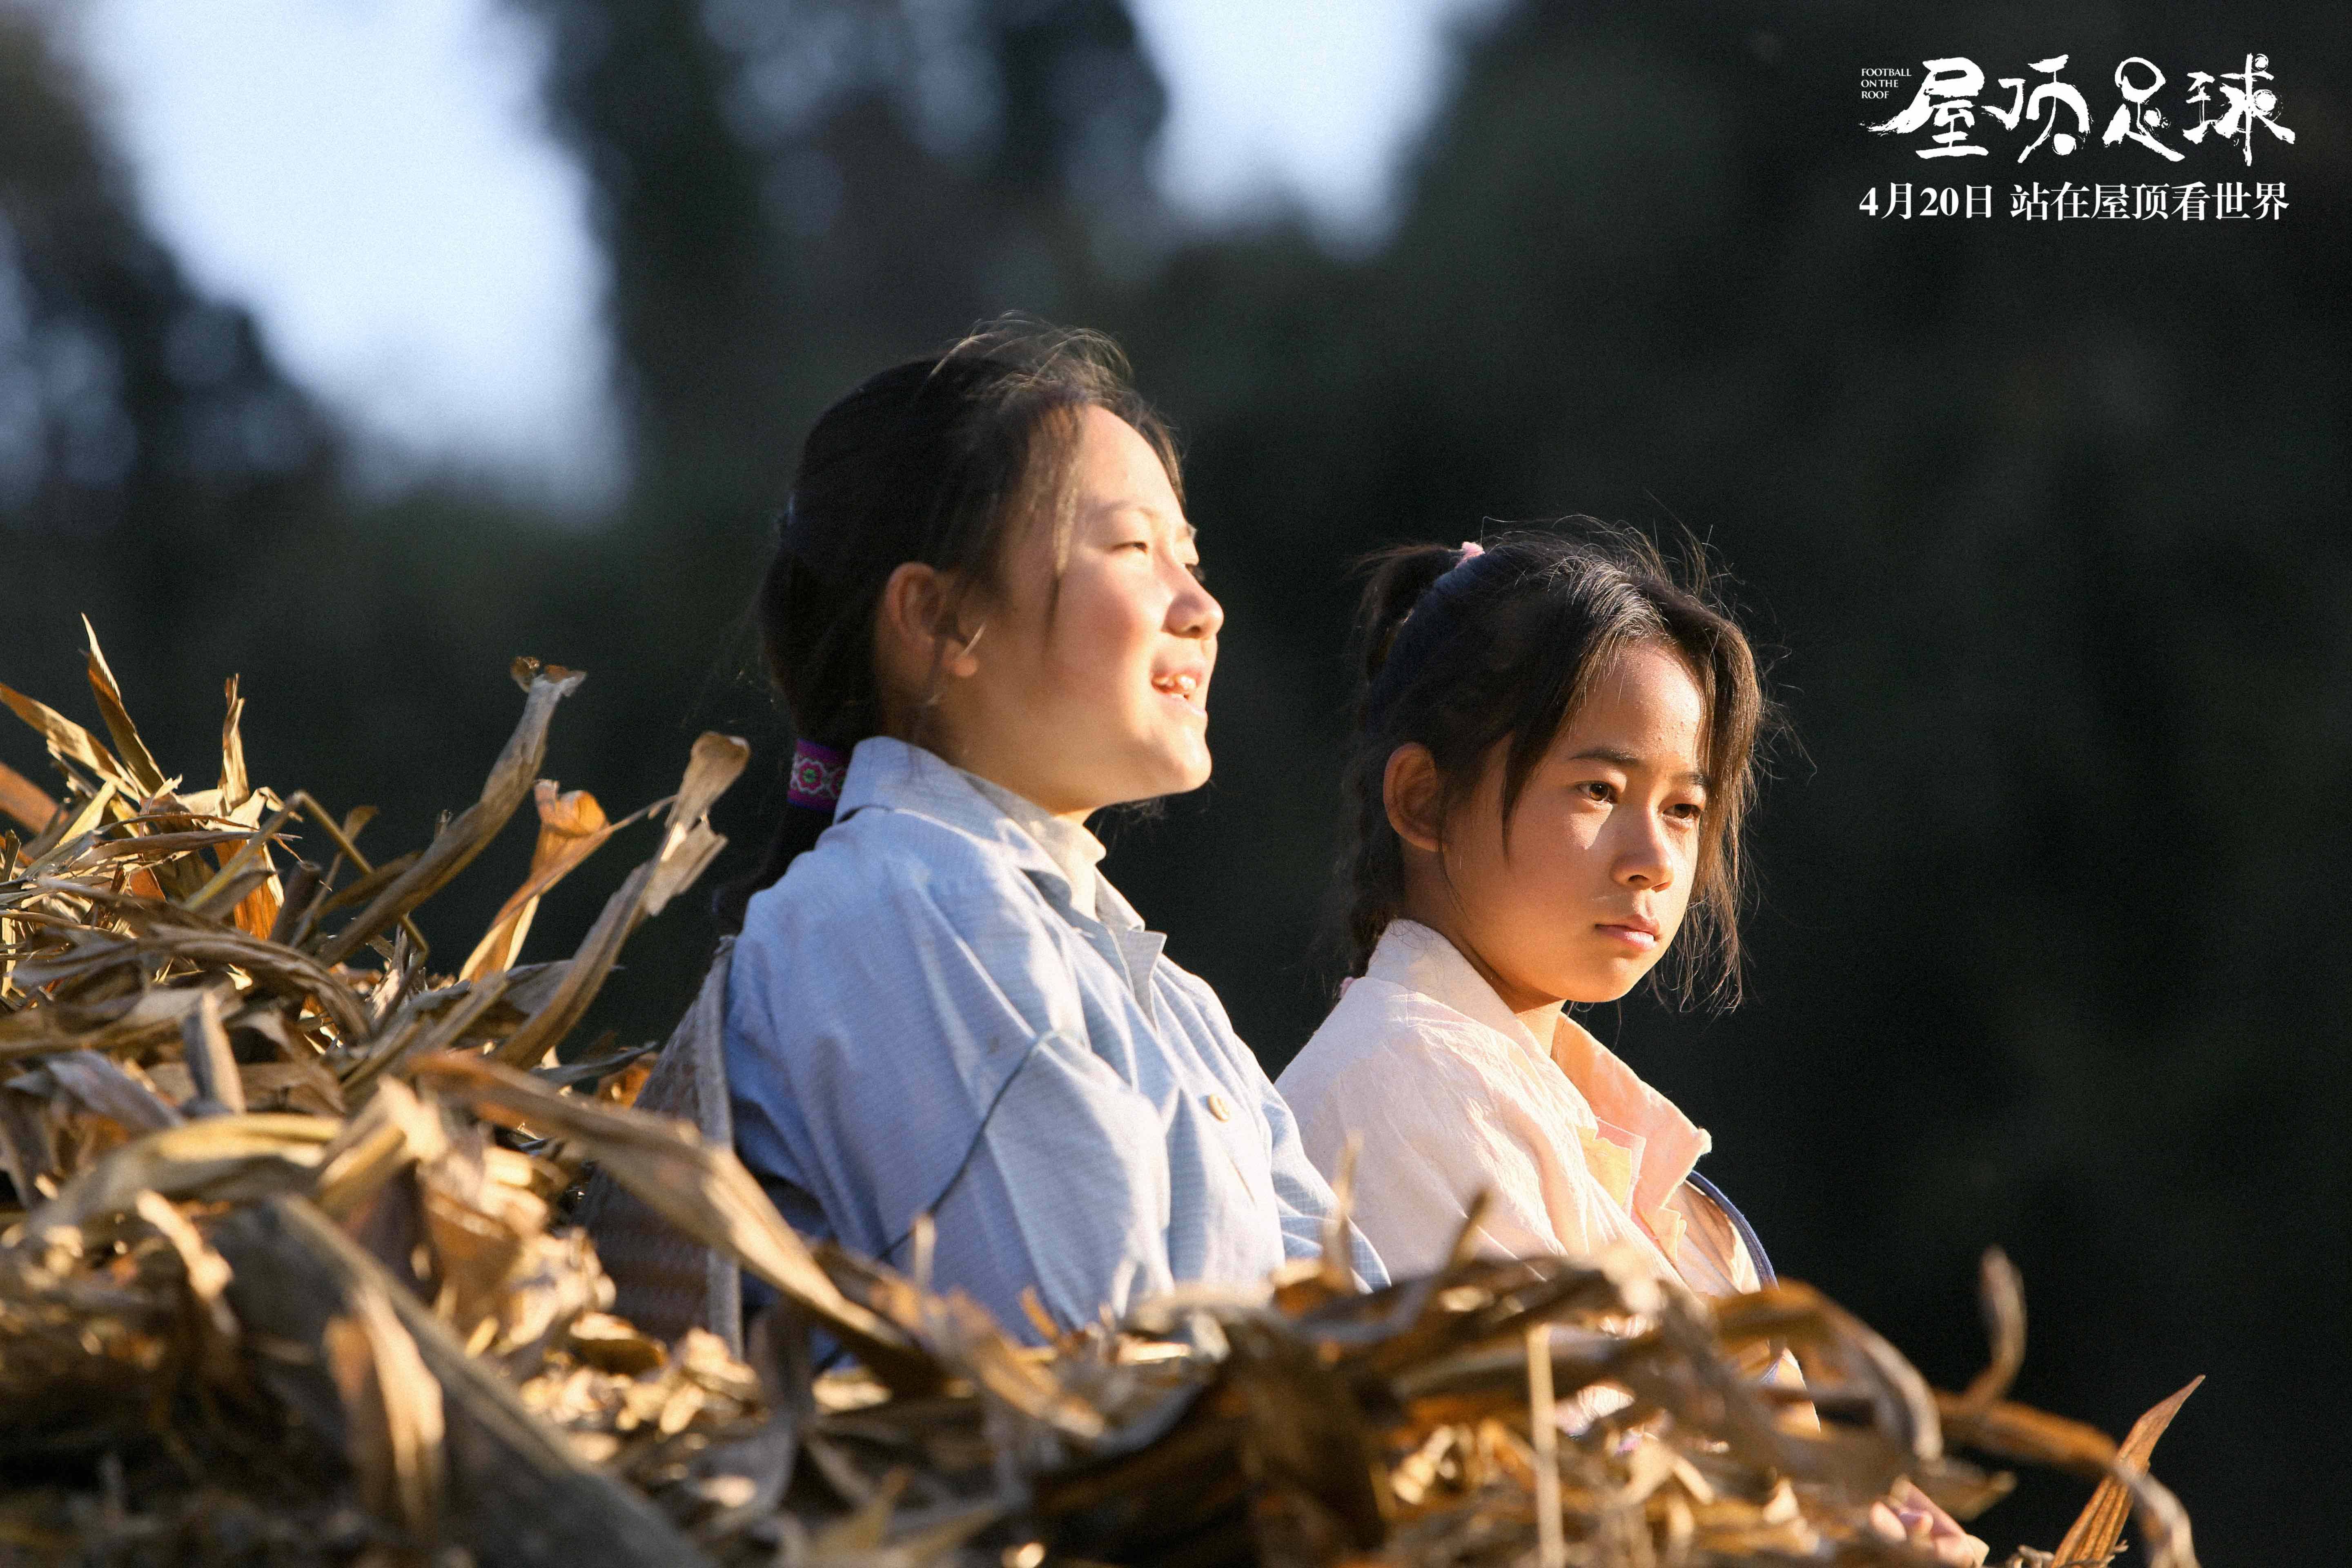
column 921, row 1019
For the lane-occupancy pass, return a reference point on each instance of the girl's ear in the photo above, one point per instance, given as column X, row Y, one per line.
column 915, row 634
column 1410, row 790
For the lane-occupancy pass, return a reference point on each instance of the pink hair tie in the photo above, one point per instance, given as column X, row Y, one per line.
column 814, row 782
column 1470, row 547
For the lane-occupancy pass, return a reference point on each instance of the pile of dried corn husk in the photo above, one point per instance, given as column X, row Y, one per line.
column 287, row 1283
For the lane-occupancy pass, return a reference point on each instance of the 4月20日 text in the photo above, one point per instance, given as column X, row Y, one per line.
column 2195, row 201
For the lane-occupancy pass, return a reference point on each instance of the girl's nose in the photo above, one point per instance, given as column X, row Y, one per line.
column 1194, row 613
column 1648, row 859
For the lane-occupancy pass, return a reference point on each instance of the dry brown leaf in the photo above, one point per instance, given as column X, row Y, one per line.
column 472, row 830
column 1393, row 1427
column 610, row 1344
column 69, row 831
column 26, row 801
column 343, row 835
column 149, row 1018
column 302, row 1086
column 705, row 1192
column 393, row 1133
column 166, row 929
column 68, row 740
column 144, row 775
column 570, row 827
column 207, row 1277
column 99, row 1085
column 687, row 845
column 246, row 883
column 234, row 787
column 203, row 1047
column 2032, row 1437
column 392, row 1412
column 520, row 1493
column 424, row 1033
column 2101, row 1525
column 221, row 1159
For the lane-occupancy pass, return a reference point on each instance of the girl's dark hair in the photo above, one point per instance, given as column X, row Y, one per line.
column 936, row 460
column 1460, row 650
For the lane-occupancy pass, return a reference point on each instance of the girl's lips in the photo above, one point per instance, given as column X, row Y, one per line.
column 1181, row 686
column 1642, row 939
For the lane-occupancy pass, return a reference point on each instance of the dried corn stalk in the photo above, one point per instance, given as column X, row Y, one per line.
column 289, row 1278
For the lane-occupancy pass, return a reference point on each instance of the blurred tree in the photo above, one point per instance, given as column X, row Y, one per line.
column 143, row 429
column 795, row 194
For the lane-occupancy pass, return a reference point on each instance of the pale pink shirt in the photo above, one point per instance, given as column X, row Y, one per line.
column 1452, row 1094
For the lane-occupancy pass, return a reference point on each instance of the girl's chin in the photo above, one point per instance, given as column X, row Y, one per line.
column 1612, row 986
column 1163, row 775
column 1179, row 761
column 1184, row 779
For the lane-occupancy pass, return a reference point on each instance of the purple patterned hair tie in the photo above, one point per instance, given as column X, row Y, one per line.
column 814, row 782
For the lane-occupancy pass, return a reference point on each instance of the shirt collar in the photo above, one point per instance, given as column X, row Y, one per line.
column 1666, row 1143
column 1074, row 851
column 1670, row 1142
column 890, row 773
column 1413, row 955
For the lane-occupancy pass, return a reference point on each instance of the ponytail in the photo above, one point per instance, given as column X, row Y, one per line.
column 1396, row 583
column 1371, row 884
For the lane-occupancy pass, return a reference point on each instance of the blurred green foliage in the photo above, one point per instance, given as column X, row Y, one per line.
column 2045, row 524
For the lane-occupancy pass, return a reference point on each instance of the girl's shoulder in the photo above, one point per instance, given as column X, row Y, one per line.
column 896, row 943
column 885, row 866
column 1383, row 1038
column 1176, row 984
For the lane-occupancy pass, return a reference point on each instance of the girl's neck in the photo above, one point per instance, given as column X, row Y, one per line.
column 1013, row 781
column 1060, row 810
column 1441, row 917
column 1542, row 1022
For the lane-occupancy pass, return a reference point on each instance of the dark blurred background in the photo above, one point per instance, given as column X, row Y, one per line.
column 2044, row 525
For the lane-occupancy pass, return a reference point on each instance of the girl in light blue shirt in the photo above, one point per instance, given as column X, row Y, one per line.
column 986, row 618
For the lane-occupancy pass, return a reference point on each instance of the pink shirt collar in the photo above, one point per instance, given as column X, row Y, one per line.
column 1664, row 1143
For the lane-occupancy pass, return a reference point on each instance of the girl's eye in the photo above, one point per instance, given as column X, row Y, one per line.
column 1688, row 810
column 1598, row 791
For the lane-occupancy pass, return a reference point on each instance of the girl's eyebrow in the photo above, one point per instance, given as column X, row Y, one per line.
column 1629, row 762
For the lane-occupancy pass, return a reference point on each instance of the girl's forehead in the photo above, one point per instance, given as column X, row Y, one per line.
column 1649, row 673
column 1113, row 456
column 1643, row 706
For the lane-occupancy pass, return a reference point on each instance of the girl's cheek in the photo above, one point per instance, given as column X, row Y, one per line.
column 1100, row 636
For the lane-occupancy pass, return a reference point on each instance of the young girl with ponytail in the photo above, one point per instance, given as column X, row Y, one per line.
column 985, row 617
column 1544, row 795
column 1543, row 800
